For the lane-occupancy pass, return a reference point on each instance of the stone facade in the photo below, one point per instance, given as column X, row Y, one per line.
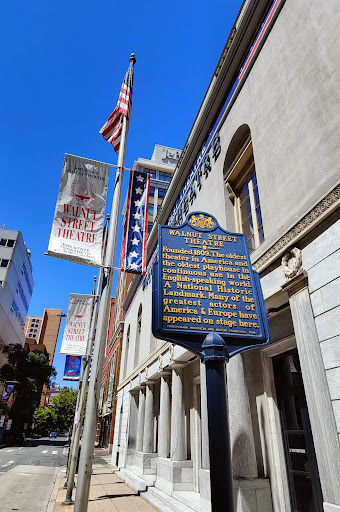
column 273, row 173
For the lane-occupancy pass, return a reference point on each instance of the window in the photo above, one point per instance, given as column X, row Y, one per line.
column 7, row 243
column 150, row 224
column 164, row 176
column 30, row 335
column 126, row 352
column 25, row 274
column 4, row 263
column 139, row 328
column 161, row 193
column 20, row 292
column 15, row 310
column 152, row 192
column 250, row 212
column 150, row 209
column 241, row 183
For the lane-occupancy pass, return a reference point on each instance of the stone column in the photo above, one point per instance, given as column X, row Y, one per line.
column 204, row 420
column 177, row 448
column 148, row 438
column 141, row 416
column 318, row 398
column 241, row 429
column 164, row 417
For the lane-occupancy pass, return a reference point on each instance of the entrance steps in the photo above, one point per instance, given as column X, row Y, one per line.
column 179, row 501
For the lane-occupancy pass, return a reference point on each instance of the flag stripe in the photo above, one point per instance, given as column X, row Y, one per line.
column 112, row 129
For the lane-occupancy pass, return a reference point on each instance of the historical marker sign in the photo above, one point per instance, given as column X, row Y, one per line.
column 203, row 282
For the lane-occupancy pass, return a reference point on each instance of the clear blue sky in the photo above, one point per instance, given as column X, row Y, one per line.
column 62, row 65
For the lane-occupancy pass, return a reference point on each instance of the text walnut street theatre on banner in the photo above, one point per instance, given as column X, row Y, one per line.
column 77, row 229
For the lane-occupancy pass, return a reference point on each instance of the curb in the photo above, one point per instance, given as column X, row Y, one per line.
column 50, row 507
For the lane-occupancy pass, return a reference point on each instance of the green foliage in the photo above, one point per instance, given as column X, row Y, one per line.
column 59, row 413
column 31, row 370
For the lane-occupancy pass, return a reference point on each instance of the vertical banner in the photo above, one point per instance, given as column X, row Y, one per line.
column 78, row 324
column 7, row 390
column 72, row 367
column 136, row 224
column 111, row 384
column 77, row 229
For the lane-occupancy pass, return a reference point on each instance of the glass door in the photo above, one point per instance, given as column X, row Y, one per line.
column 303, row 476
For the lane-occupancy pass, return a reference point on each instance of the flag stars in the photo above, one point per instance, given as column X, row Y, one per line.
column 139, row 190
column 136, row 228
column 140, row 178
column 137, row 215
column 138, row 203
column 134, row 254
column 135, row 241
column 134, row 266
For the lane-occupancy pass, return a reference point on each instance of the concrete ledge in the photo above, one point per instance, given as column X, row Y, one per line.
column 174, row 475
column 329, row 507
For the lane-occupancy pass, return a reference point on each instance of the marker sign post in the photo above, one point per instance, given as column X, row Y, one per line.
column 207, row 298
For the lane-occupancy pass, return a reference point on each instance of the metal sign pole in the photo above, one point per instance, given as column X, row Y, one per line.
column 82, row 392
column 90, row 424
column 221, row 477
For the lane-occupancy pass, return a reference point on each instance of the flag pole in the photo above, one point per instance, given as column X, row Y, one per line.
column 90, row 424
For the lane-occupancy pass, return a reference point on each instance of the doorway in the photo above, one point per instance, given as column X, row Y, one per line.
column 302, row 470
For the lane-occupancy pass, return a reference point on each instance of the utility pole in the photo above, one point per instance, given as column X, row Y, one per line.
column 90, row 424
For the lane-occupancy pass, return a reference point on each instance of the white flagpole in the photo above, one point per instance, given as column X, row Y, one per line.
column 90, row 423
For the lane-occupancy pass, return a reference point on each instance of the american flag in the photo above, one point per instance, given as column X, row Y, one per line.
column 136, row 224
column 112, row 129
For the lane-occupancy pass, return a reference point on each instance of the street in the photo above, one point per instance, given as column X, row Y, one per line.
column 28, row 473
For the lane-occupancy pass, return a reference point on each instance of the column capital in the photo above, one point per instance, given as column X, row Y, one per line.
column 296, row 284
column 176, row 365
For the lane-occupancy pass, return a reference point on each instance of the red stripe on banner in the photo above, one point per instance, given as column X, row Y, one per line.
column 145, row 231
column 126, row 224
column 108, row 329
column 259, row 37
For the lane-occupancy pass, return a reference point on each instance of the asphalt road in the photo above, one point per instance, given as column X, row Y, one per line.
column 28, row 473
column 35, row 452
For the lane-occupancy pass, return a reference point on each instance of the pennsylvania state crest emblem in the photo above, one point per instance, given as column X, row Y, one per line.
column 201, row 221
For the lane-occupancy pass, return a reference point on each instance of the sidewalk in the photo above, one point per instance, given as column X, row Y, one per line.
column 107, row 494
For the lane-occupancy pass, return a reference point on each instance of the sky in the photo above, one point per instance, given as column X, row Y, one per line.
column 62, row 66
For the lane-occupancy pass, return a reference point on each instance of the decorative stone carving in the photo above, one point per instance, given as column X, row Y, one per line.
column 146, row 373
column 139, row 379
column 299, row 229
column 160, row 363
column 171, row 353
column 292, row 262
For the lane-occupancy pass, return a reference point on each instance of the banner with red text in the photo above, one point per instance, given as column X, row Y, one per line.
column 78, row 324
column 77, row 229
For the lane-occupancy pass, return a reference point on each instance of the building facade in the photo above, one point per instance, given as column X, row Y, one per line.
column 161, row 167
column 16, row 286
column 262, row 157
column 43, row 331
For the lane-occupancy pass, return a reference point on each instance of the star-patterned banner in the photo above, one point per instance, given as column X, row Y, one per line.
column 136, row 224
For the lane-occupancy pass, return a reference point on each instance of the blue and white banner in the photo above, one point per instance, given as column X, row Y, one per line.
column 136, row 224
column 72, row 367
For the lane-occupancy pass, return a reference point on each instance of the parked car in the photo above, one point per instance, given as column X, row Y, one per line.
column 53, row 434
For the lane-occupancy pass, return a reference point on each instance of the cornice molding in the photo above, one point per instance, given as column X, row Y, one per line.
column 300, row 229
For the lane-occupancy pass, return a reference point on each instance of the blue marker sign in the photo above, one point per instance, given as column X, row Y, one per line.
column 203, row 283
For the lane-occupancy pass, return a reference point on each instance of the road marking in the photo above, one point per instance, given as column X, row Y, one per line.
column 9, row 463
column 44, row 451
column 10, row 450
column 54, row 453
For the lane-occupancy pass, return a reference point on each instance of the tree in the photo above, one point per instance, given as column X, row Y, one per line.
column 59, row 413
column 31, row 370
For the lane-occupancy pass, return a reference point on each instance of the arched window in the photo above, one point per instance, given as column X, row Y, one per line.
column 126, row 352
column 139, row 328
column 241, row 181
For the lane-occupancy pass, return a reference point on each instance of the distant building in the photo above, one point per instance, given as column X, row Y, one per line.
column 16, row 286
column 161, row 167
column 42, row 331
